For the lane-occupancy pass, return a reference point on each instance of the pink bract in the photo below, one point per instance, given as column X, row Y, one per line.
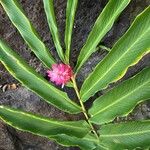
column 60, row 74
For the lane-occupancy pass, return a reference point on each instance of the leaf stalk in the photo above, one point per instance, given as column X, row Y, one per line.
column 83, row 108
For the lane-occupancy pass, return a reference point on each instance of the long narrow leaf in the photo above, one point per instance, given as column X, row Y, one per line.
column 122, row 99
column 126, row 52
column 31, row 79
column 126, row 135
column 20, row 21
column 42, row 126
column 102, row 25
column 70, row 15
column 49, row 10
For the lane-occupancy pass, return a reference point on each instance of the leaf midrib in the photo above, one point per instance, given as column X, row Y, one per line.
column 138, row 39
column 41, row 119
column 125, row 134
column 120, row 98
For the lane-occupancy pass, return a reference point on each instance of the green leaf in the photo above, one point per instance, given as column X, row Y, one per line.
column 20, row 21
column 122, row 99
column 70, row 15
column 126, row 135
column 42, row 126
column 86, row 143
column 31, row 79
column 126, row 52
column 49, row 10
column 102, row 25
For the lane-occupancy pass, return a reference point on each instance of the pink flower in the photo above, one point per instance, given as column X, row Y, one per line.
column 60, row 74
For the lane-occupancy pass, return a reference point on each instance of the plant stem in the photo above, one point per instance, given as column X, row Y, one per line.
column 83, row 108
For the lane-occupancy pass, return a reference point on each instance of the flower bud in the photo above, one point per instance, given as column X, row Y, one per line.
column 60, row 74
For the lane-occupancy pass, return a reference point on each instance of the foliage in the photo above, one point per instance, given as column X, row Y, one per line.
column 119, row 101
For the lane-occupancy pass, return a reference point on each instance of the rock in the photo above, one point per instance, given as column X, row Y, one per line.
column 142, row 112
column 6, row 142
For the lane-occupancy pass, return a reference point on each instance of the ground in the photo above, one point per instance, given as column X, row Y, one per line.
column 88, row 11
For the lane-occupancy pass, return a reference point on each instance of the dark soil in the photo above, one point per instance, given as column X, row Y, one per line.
column 88, row 11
